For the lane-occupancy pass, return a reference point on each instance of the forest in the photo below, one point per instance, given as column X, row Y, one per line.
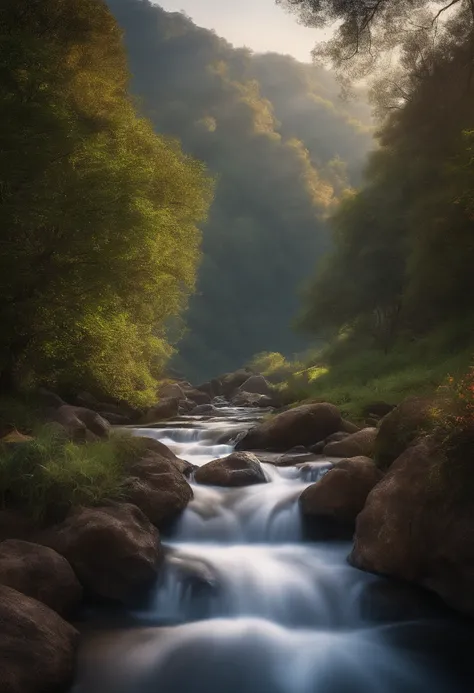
column 282, row 148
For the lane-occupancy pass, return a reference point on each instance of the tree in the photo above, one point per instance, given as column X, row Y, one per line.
column 99, row 238
column 369, row 34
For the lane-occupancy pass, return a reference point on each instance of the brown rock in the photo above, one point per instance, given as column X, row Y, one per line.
column 400, row 428
column 167, row 408
column 305, row 425
column 197, row 396
column 37, row 647
column 416, row 526
column 238, row 469
column 340, row 495
column 113, row 550
column 159, row 448
column 360, row 444
column 257, row 384
column 158, row 489
column 250, row 399
column 40, row 573
column 171, row 391
column 80, row 424
column 348, row 426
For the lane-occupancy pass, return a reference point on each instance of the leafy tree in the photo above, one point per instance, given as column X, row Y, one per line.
column 99, row 238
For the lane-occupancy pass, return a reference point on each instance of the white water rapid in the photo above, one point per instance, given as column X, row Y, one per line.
column 244, row 605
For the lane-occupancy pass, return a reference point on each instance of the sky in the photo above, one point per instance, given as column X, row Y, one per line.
column 258, row 24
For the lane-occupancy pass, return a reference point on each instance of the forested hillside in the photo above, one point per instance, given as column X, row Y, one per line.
column 282, row 148
column 98, row 215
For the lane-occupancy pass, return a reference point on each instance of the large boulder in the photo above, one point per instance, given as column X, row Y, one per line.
column 230, row 382
column 305, row 425
column 80, row 424
column 417, row 525
column 40, row 573
column 37, row 648
column 340, row 495
column 114, row 550
column 360, row 444
column 238, row 469
column 158, row 488
column 171, row 390
column 152, row 445
column 407, row 422
column 197, row 396
column 167, row 408
column 258, row 385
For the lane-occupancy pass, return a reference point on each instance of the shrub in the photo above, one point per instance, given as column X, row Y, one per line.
column 48, row 475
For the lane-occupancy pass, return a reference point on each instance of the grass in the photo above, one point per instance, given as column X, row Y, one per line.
column 353, row 374
column 49, row 474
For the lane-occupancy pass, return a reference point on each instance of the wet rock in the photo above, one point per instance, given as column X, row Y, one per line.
column 158, row 489
column 336, row 437
column 239, row 469
column 407, row 422
column 253, row 400
column 418, row 526
column 208, row 409
column 340, row 495
column 305, row 425
column 156, row 446
column 167, row 408
column 197, row 396
column 257, row 384
column 113, row 550
column 295, row 456
column 37, row 647
column 79, row 423
column 355, row 445
column 186, row 406
column 41, row 573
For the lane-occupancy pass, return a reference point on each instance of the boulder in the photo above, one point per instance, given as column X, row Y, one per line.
column 257, row 384
column 305, row 425
column 402, row 426
column 37, row 648
column 40, row 573
column 251, row 399
column 417, row 526
column 155, row 446
column 166, row 408
column 339, row 496
column 114, row 550
column 158, row 488
column 171, row 391
column 360, row 444
column 79, row 423
column 186, row 406
column 238, row 469
column 230, row 382
column 197, row 396
column 336, row 437
column 48, row 399
column 208, row 409
column 115, row 419
column 212, row 388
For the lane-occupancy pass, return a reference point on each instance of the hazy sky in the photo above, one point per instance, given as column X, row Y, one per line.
column 257, row 24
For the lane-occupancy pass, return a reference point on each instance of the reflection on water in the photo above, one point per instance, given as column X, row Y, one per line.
column 243, row 606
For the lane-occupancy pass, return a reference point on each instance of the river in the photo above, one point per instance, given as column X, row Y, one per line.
column 245, row 605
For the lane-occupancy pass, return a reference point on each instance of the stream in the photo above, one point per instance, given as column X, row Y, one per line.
column 245, row 605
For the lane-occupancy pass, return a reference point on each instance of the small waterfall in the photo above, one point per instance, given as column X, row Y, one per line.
column 242, row 605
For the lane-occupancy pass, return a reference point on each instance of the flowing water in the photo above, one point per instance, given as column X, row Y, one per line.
column 244, row 605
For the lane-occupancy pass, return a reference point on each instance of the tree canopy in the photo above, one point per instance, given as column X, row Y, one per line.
column 283, row 149
column 99, row 215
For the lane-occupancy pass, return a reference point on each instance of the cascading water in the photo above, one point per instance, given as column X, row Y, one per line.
column 243, row 605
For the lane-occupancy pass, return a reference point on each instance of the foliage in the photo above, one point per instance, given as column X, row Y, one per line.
column 48, row 475
column 99, row 239
column 283, row 149
column 369, row 35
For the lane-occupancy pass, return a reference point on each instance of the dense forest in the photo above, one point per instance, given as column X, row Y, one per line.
column 283, row 149
column 99, row 215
